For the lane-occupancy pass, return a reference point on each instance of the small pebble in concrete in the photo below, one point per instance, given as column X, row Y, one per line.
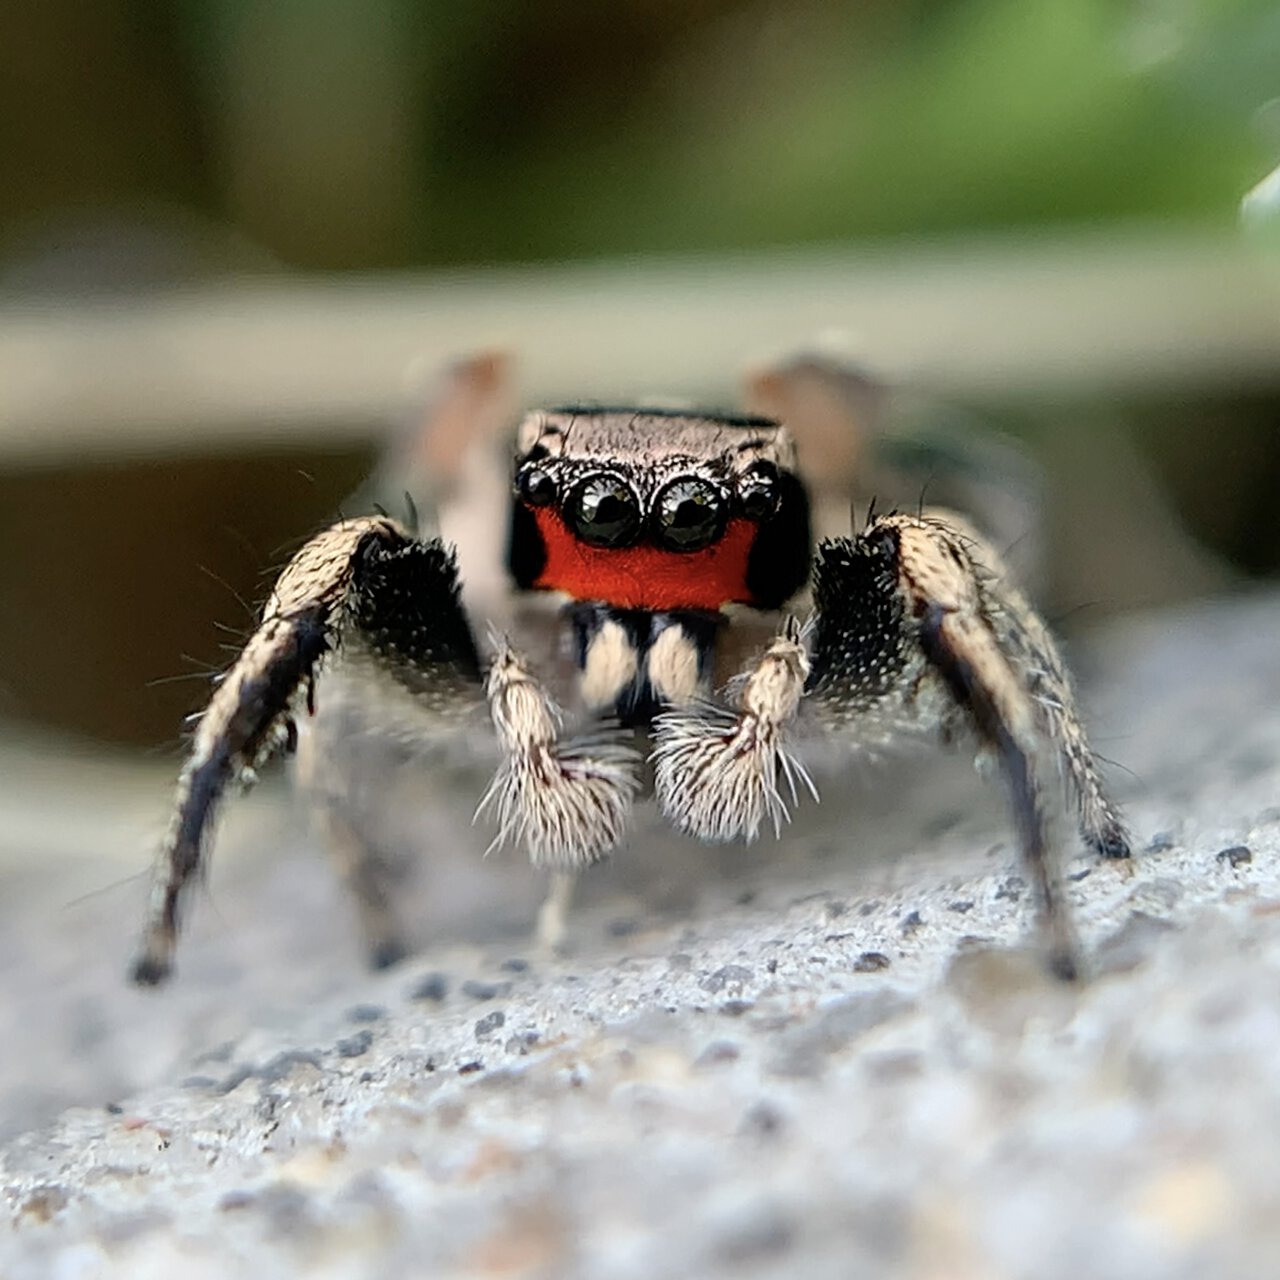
column 729, row 975
column 366, row 1013
column 1161, row 842
column 354, row 1046
column 433, row 986
column 871, row 962
column 1236, row 856
column 912, row 921
column 762, row 1120
column 478, row 990
column 718, row 1052
column 490, row 1023
column 470, row 1068
column 283, row 1064
column 514, row 965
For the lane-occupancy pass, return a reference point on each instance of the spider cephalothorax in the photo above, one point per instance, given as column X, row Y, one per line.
column 656, row 530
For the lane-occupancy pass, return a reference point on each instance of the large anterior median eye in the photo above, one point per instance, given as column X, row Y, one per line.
column 690, row 514
column 604, row 511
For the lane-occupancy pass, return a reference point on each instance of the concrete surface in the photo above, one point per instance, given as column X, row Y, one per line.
column 834, row 1057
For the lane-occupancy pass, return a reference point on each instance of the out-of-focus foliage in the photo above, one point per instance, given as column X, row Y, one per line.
column 351, row 133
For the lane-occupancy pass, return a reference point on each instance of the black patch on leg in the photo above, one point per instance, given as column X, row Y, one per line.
column 406, row 605
column 858, row 636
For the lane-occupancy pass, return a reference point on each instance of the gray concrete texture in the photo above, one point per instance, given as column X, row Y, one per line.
column 837, row 1056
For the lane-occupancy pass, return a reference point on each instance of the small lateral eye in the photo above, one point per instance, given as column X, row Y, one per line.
column 535, row 486
column 690, row 514
column 604, row 512
column 758, row 492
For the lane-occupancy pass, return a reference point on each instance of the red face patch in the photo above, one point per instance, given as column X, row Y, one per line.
column 645, row 576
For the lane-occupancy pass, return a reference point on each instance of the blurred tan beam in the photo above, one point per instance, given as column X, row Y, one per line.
column 264, row 361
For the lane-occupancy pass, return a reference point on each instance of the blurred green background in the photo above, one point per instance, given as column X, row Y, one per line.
column 149, row 147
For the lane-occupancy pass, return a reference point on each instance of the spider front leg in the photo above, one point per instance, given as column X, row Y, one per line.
column 365, row 589
column 917, row 628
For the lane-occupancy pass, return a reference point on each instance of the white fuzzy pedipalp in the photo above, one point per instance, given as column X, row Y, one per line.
column 567, row 802
column 719, row 776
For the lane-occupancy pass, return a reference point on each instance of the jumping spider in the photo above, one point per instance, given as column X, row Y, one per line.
column 659, row 535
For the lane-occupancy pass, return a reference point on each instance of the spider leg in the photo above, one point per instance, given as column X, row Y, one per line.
column 364, row 585
column 917, row 628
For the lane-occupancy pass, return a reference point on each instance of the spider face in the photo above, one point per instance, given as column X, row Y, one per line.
column 658, row 511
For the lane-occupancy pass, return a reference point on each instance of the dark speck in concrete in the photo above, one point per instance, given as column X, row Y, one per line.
column 366, row 1013
column 836, row 909
column 736, row 1008
column 354, row 1046
column 762, row 1120
column 490, row 1023
column 1236, row 856
column 869, row 908
column 729, row 975
column 622, row 927
column 718, row 1052
column 1083, row 874
column 1012, row 889
column 199, row 1082
column 1161, row 842
column 522, row 1042
column 114, row 1109
column 514, row 965
column 433, row 986
column 911, row 922
column 478, row 990
column 236, row 1200
column 286, row 1207
column 284, row 1063
column 961, row 906
column 470, row 1068
column 871, row 962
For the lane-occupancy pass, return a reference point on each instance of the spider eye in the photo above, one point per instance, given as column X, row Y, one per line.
column 758, row 492
column 690, row 514
column 535, row 486
column 604, row 512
